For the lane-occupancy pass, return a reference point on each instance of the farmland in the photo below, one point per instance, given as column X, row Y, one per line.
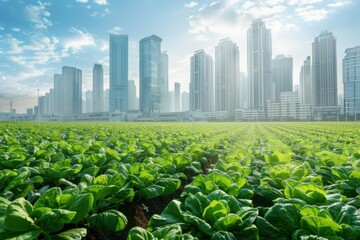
column 219, row 181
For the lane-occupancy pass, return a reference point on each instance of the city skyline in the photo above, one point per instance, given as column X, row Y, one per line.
column 35, row 44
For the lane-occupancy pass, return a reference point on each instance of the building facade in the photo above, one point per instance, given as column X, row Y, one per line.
column 150, row 68
column 201, row 82
column 132, row 95
column 119, row 72
column 351, row 80
column 324, row 70
column 164, row 83
column 98, row 88
column 177, row 96
column 226, row 76
column 282, row 76
column 72, row 91
column 259, row 54
column 305, row 82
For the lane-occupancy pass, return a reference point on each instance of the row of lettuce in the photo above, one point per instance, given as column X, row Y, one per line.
column 265, row 181
column 59, row 182
column 297, row 181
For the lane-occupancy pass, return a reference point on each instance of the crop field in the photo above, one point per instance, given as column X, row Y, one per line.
column 180, row 181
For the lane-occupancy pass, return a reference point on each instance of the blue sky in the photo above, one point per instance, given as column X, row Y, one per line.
column 37, row 38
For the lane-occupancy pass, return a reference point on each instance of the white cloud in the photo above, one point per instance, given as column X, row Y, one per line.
column 39, row 15
column 16, row 29
column 104, row 46
column 309, row 13
column 191, row 4
column 101, row 2
column 2, row 29
column 102, row 14
column 77, row 42
column 201, row 38
column 82, row 1
column 274, row 2
column 264, row 11
column 339, row 4
column 303, row 2
column 115, row 30
column 15, row 45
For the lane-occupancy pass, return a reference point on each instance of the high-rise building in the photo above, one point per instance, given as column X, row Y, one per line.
column 185, row 101
column 132, row 95
column 177, row 96
column 324, row 71
column 164, row 82
column 106, row 100
column 119, row 72
column 98, row 89
column 226, row 75
column 243, row 91
column 52, row 101
column 201, row 82
column 72, row 91
column 259, row 52
column 305, row 82
column 150, row 68
column 89, row 101
column 351, row 79
column 47, row 103
column 58, row 94
column 282, row 76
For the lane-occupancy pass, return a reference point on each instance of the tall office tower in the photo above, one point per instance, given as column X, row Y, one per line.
column 98, row 89
column 132, row 95
column 185, row 101
column 259, row 51
column 171, row 101
column 244, row 91
column 106, row 100
column 305, row 82
column 351, row 79
column 164, row 82
column 58, row 94
column 324, row 71
column 47, row 103
column 89, row 101
column 72, row 83
column 150, row 68
column 282, row 76
column 119, row 72
column 226, row 75
column 52, row 100
column 201, row 82
column 177, row 96
column 42, row 106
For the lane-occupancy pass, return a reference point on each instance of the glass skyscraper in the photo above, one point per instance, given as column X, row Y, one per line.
column 259, row 52
column 324, row 70
column 98, row 88
column 119, row 72
column 226, row 75
column 282, row 76
column 351, row 79
column 201, row 82
column 305, row 82
column 150, row 68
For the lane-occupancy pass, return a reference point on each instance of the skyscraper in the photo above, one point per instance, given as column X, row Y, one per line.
column 132, row 95
column 72, row 91
column 201, row 82
column 119, row 72
column 282, row 76
column 150, row 68
column 185, row 101
column 351, row 79
column 226, row 75
column 244, row 91
column 98, row 89
column 259, row 51
column 58, row 94
column 305, row 82
column 324, row 71
column 89, row 101
column 164, row 82
column 177, row 96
